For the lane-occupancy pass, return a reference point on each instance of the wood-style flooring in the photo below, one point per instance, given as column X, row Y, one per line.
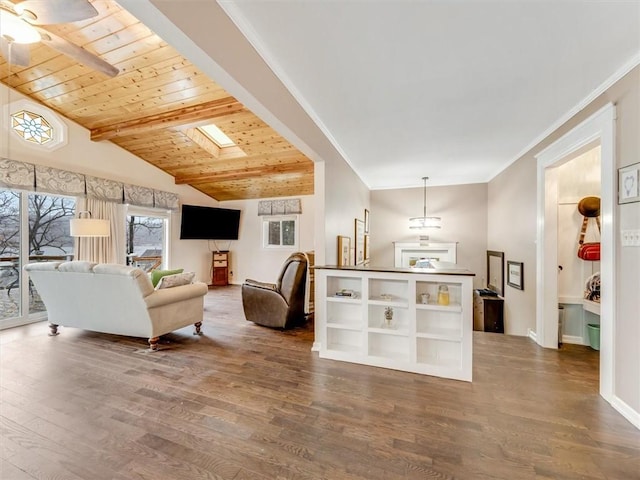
column 245, row 402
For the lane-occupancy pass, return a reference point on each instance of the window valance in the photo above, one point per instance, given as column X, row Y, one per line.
column 18, row 175
column 280, row 207
column 140, row 196
column 26, row 176
column 103, row 189
column 61, row 182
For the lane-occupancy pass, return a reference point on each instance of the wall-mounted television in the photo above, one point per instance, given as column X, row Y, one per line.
column 209, row 223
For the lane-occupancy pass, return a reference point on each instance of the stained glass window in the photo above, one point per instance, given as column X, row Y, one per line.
column 32, row 127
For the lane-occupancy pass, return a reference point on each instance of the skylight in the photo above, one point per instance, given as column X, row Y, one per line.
column 215, row 134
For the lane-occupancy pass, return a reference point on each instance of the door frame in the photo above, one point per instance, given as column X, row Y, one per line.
column 599, row 128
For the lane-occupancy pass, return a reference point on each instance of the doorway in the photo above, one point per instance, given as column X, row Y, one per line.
column 599, row 128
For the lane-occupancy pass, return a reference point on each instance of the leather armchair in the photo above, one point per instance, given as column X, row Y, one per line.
column 281, row 304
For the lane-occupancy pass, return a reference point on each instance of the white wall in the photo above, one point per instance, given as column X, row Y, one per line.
column 248, row 257
column 512, row 221
column 107, row 160
column 345, row 199
column 463, row 209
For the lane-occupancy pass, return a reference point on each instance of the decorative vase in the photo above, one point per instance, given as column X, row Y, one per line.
column 388, row 318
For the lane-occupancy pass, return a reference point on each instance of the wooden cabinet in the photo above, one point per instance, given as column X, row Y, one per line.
column 220, row 269
column 420, row 337
column 488, row 313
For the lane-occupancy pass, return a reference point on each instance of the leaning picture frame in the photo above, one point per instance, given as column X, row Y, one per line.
column 359, row 242
column 515, row 274
column 628, row 184
column 366, row 221
column 344, row 251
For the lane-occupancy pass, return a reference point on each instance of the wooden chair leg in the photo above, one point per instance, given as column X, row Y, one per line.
column 153, row 343
column 53, row 330
column 198, row 331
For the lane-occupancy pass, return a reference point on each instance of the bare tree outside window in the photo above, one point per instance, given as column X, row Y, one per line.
column 9, row 223
column 49, row 224
column 144, row 241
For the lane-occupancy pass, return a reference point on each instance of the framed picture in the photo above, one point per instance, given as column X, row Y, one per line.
column 366, row 221
column 344, row 251
column 366, row 247
column 628, row 189
column 359, row 247
column 515, row 274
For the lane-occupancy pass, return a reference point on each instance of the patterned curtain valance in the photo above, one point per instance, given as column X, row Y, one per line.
column 280, row 207
column 103, row 189
column 61, row 182
column 140, row 196
column 165, row 200
column 26, row 176
column 17, row 175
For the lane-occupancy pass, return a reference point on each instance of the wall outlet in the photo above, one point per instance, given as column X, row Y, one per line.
column 630, row 238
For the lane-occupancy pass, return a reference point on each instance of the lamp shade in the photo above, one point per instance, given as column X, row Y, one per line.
column 85, row 226
column 14, row 29
column 424, row 221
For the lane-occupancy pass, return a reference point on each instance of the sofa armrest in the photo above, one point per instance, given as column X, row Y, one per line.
column 266, row 286
column 176, row 294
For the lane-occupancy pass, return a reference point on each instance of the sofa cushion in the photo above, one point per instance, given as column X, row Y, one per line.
column 144, row 283
column 175, row 280
column 78, row 266
column 156, row 275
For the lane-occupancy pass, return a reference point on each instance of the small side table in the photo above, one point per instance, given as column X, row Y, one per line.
column 488, row 313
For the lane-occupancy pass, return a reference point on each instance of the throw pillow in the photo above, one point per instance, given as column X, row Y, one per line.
column 176, row 280
column 156, row 275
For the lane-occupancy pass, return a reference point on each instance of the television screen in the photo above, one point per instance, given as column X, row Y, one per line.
column 209, row 223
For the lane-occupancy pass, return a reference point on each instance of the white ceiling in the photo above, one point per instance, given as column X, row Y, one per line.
column 404, row 89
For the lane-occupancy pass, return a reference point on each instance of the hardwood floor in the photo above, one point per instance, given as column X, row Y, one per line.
column 246, row 402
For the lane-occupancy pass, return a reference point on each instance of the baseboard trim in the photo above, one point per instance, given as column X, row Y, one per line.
column 532, row 335
column 626, row 411
column 574, row 339
column 315, row 347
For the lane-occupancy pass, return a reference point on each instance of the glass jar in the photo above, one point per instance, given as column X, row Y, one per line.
column 443, row 295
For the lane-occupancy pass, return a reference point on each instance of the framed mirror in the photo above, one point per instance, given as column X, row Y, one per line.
column 495, row 271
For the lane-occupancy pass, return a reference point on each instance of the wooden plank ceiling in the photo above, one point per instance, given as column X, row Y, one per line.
column 153, row 106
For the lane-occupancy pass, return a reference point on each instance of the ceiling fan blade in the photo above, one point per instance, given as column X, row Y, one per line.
column 48, row 12
column 83, row 56
column 15, row 53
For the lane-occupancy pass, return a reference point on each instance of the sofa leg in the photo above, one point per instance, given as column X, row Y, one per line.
column 198, row 331
column 153, row 343
column 53, row 330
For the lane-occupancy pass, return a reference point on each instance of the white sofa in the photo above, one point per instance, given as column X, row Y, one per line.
column 114, row 299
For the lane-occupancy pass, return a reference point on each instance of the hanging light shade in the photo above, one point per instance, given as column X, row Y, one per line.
column 14, row 29
column 424, row 221
column 85, row 226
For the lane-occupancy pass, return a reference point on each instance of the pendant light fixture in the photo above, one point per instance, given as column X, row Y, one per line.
column 424, row 221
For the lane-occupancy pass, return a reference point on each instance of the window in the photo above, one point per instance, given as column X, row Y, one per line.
column 280, row 232
column 36, row 125
column 32, row 127
column 33, row 228
column 147, row 238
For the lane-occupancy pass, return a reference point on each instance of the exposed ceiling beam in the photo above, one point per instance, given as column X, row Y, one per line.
column 244, row 173
column 174, row 118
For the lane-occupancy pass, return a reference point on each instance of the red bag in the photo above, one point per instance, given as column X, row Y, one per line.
column 589, row 251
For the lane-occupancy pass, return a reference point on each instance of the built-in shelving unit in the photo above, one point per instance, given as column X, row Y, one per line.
column 427, row 338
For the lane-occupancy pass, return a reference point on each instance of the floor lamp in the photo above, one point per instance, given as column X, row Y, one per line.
column 86, row 227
